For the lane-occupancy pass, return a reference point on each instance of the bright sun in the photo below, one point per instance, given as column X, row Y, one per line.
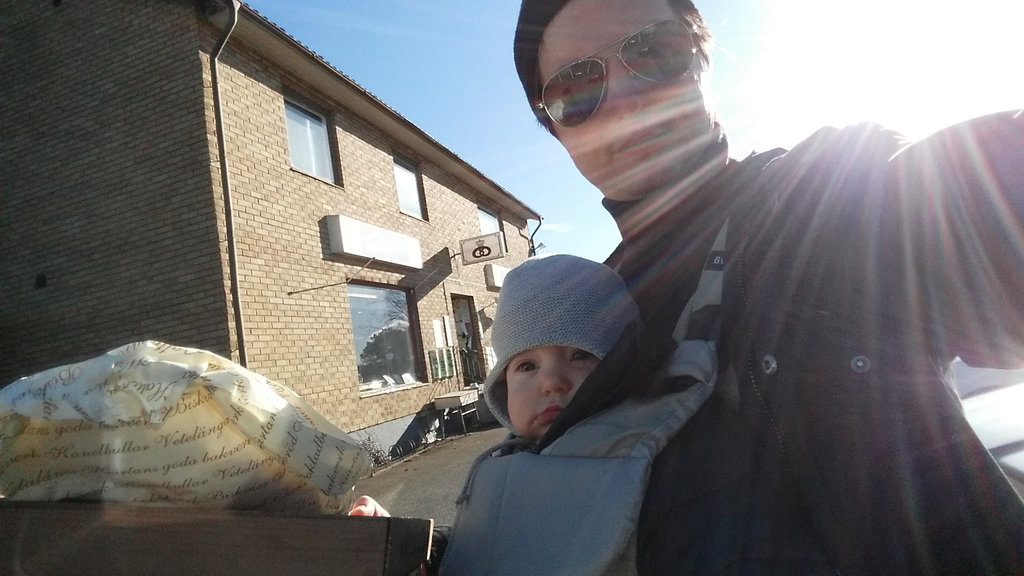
column 913, row 65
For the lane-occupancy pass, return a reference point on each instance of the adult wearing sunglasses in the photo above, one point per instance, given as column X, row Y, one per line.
column 856, row 268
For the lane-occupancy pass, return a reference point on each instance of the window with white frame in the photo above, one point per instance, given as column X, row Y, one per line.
column 488, row 221
column 407, row 180
column 384, row 342
column 308, row 143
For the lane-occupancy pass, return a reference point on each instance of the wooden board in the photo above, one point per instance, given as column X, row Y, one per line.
column 117, row 539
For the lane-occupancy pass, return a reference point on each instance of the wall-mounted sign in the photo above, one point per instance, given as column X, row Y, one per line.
column 482, row 248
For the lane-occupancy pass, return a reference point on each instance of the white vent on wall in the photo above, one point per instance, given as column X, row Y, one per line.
column 494, row 275
column 356, row 238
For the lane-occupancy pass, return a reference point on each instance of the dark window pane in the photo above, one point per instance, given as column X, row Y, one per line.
column 383, row 339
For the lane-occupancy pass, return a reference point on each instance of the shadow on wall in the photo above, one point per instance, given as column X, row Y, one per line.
column 422, row 430
column 400, row 437
column 436, row 268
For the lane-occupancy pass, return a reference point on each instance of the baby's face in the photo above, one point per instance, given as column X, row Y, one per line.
column 541, row 382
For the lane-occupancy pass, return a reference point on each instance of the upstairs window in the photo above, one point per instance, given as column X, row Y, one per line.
column 308, row 144
column 410, row 195
column 488, row 221
column 489, row 224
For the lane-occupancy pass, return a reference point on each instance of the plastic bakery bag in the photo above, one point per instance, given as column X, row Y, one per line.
column 154, row 423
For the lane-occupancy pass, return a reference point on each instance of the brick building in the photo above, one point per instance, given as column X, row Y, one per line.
column 182, row 171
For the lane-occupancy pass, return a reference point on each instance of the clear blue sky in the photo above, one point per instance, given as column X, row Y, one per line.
column 781, row 69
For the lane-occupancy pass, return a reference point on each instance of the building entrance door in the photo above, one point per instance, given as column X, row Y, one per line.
column 467, row 331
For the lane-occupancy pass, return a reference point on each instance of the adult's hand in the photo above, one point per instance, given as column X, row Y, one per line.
column 366, row 506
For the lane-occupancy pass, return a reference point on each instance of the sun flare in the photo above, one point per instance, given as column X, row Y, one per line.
column 912, row 65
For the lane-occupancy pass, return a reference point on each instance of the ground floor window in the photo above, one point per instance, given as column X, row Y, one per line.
column 384, row 342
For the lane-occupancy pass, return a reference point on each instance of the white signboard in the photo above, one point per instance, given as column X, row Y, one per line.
column 482, row 248
column 357, row 238
column 439, row 340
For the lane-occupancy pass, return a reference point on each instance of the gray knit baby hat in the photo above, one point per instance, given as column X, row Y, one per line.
column 557, row 300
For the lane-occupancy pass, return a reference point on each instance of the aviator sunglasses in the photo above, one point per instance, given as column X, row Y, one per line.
column 659, row 52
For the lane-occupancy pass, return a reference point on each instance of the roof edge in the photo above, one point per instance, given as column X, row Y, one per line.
column 281, row 48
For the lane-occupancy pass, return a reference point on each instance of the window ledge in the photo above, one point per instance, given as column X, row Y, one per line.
column 315, row 177
column 390, row 389
column 411, row 215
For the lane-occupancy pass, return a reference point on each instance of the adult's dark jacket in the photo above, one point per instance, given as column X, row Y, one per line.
column 858, row 268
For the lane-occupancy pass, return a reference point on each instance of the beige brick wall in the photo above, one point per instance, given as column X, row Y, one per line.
column 104, row 183
column 304, row 340
column 111, row 188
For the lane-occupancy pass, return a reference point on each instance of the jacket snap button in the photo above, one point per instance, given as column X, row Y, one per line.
column 860, row 364
column 769, row 365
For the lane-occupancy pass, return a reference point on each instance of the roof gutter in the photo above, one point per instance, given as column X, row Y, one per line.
column 285, row 51
column 533, row 247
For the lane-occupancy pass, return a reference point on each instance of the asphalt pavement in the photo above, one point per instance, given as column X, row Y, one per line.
column 426, row 484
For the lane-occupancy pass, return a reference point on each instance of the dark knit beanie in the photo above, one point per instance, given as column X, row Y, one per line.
column 534, row 17
column 557, row 300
